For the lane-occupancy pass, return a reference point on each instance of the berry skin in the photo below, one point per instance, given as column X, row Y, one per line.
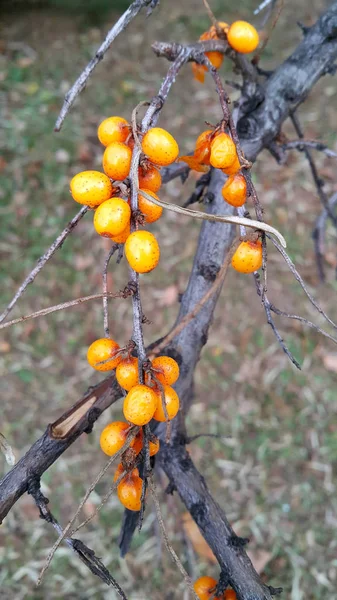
column 172, row 404
column 223, row 151
column 120, row 469
column 113, row 437
column 243, row 37
column 112, row 217
column 140, row 405
column 215, row 58
column 130, row 491
column 113, row 129
column 202, row 150
column 234, row 168
column 142, row 251
column 122, row 237
column 101, row 350
column 91, row 188
column 235, row 190
column 248, row 257
column 230, row 595
column 117, row 160
column 151, row 211
column 166, row 369
column 160, row 146
column 127, row 373
column 138, row 445
column 199, row 72
column 149, row 178
column 204, row 587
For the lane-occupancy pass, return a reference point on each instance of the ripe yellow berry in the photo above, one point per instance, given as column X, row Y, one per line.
column 112, row 217
column 248, row 257
column 166, row 369
column 235, row 190
column 151, row 211
column 113, row 129
column 129, row 491
column 149, row 178
column 140, row 405
column 160, row 146
column 243, row 37
column 234, row 168
column 122, row 237
column 230, row 595
column 172, row 404
column 138, row 445
column 223, row 151
column 101, row 351
column 113, row 437
column 204, row 587
column 117, row 160
column 127, row 373
column 142, row 251
column 91, row 188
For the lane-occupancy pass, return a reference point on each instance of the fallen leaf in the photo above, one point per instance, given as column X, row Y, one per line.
column 330, row 362
column 199, row 544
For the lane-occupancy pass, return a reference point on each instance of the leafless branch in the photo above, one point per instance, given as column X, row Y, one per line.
column 315, row 145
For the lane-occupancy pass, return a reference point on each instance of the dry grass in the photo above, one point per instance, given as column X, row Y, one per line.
column 273, row 469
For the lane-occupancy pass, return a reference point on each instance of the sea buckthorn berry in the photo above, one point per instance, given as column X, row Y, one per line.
column 127, row 373
column 140, row 405
column 113, row 437
column 138, row 444
column 129, row 491
column 235, row 190
column 112, row 217
column 152, row 211
column 230, row 595
column 113, row 129
column 204, row 587
column 172, row 404
column 160, row 146
column 220, row 25
column 243, row 37
column 142, row 251
column 149, row 178
column 234, row 168
column 101, row 351
column 223, row 151
column 122, row 237
column 215, row 58
column 91, row 188
column 248, row 257
column 117, row 160
column 120, row 469
column 199, row 72
column 202, row 150
column 166, row 369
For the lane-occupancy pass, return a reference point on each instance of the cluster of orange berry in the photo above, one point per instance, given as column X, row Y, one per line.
column 241, row 36
column 216, row 148
column 101, row 190
column 141, row 404
column 205, row 586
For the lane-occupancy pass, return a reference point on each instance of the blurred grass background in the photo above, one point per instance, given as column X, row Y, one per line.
column 273, row 468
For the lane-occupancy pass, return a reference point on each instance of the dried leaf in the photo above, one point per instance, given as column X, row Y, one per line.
column 192, row 532
column 7, row 450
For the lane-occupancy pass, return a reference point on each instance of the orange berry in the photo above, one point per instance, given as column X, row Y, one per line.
column 130, row 491
column 142, row 251
column 151, row 211
column 160, row 146
column 243, row 37
column 221, row 25
column 112, row 217
column 113, row 437
column 113, row 129
column 140, row 404
column 234, row 168
column 202, row 150
column 120, row 469
column 248, row 257
column 194, row 163
column 230, row 595
column 127, row 373
column 149, row 178
column 199, row 72
column 223, row 151
column 122, row 237
column 167, row 369
column 172, row 404
column 91, row 188
column 204, row 587
column 138, row 445
column 235, row 190
column 117, row 160
column 100, row 351
column 215, row 58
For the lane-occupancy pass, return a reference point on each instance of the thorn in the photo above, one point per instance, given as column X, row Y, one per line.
column 238, row 542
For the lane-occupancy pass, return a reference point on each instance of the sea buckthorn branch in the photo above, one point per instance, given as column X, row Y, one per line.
column 301, row 144
column 43, row 260
column 120, row 26
column 86, row 555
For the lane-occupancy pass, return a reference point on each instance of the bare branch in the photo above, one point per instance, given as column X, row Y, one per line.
column 315, row 145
